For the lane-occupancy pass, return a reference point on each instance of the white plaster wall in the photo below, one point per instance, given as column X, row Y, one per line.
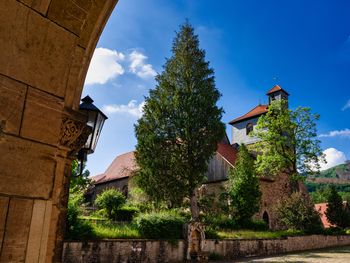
column 239, row 132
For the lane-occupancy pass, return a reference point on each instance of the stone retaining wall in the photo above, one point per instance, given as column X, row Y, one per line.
column 119, row 251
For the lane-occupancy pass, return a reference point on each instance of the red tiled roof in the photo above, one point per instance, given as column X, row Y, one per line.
column 257, row 111
column 122, row 166
column 227, row 152
column 321, row 208
column 274, row 89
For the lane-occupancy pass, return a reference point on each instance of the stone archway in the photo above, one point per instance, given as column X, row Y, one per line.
column 45, row 50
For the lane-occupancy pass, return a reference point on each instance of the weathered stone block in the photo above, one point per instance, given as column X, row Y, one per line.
column 3, row 212
column 39, row 5
column 27, row 167
column 33, row 49
column 17, row 230
column 36, row 231
column 76, row 78
column 42, row 117
column 70, row 14
column 12, row 95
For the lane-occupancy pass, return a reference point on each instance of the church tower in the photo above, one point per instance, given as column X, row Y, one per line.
column 277, row 93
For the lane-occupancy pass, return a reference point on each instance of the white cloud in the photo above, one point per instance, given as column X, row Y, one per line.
column 340, row 133
column 131, row 108
column 346, row 106
column 139, row 67
column 333, row 157
column 104, row 66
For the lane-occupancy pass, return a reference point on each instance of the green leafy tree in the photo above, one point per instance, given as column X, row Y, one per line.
column 244, row 187
column 79, row 182
column 110, row 200
column 335, row 212
column 181, row 125
column 288, row 141
column 297, row 212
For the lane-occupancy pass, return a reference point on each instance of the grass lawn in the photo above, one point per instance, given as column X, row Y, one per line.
column 250, row 234
column 108, row 230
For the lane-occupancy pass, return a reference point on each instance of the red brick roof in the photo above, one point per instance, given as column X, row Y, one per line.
column 255, row 112
column 122, row 166
column 228, row 152
column 274, row 89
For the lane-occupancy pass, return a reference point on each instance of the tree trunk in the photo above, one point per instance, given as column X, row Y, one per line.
column 194, row 206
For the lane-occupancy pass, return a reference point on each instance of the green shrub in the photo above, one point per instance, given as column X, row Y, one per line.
column 220, row 222
column 211, row 233
column 297, row 212
column 162, row 225
column 110, row 200
column 257, row 225
column 126, row 213
column 223, row 222
column 334, row 231
column 76, row 228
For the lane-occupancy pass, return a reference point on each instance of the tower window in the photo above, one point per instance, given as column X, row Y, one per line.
column 249, row 128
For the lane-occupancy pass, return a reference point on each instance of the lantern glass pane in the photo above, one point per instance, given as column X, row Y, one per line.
column 98, row 127
column 92, row 115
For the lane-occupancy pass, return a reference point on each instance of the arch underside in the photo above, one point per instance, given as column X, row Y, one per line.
column 45, row 50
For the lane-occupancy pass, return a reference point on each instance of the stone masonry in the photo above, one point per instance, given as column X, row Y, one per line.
column 45, row 50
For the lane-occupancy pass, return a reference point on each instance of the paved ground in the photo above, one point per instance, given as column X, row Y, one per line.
column 332, row 255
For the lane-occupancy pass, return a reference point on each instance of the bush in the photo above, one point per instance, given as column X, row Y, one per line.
column 110, row 200
column 334, row 231
column 297, row 212
column 162, row 225
column 210, row 233
column 126, row 213
column 220, row 222
column 223, row 222
column 76, row 228
column 256, row 225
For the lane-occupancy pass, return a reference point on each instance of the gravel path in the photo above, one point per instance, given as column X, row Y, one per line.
column 331, row 255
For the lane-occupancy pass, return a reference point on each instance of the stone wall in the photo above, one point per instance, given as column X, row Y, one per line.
column 162, row 251
column 119, row 251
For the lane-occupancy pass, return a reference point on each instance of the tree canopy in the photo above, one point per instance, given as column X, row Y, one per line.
column 335, row 212
column 181, row 125
column 288, row 141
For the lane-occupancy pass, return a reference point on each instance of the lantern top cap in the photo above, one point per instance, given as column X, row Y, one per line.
column 87, row 99
column 87, row 104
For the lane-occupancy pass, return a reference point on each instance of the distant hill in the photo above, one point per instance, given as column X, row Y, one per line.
column 341, row 171
column 339, row 176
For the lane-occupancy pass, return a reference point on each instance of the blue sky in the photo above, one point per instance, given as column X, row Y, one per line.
column 305, row 44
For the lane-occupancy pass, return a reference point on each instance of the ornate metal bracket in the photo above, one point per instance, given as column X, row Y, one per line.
column 73, row 135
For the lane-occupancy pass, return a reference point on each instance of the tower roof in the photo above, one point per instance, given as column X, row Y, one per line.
column 276, row 88
column 256, row 111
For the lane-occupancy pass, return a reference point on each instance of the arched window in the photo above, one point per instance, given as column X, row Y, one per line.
column 266, row 218
column 249, row 128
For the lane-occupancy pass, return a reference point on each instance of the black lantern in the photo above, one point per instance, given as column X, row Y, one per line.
column 95, row 121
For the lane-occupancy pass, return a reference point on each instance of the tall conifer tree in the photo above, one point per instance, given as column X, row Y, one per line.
column 181, row 125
